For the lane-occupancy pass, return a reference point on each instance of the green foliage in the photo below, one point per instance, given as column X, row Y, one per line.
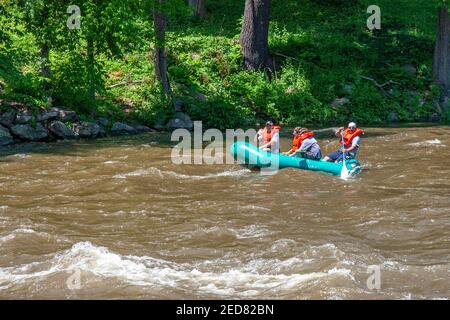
column 71, row 81
column 321, row 51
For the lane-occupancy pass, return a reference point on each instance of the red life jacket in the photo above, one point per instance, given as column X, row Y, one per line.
column 298, row 140
column 349, row 136
column 267, row 136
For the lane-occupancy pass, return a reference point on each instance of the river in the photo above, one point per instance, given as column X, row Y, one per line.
column 115, row 218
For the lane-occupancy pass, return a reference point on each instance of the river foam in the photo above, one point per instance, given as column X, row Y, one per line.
column 433, row 142
column 26, row 232
column 245, row 280
column 161, row 173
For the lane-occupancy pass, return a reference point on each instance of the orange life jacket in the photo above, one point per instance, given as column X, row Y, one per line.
column 298, row 140
column 349, row 136
column 267, row 136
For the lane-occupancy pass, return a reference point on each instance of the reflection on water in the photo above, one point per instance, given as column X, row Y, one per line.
column 137, row 226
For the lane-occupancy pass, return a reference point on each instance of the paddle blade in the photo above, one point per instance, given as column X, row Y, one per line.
column 344, row 172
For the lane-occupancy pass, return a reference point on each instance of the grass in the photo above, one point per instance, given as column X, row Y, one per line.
column 322, row 52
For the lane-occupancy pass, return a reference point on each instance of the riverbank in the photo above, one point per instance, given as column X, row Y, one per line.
column 22, row 123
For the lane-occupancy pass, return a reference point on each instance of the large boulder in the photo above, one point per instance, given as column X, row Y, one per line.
column 5, row 137
column 142, row 128
column 392, row 117
column 159, row 124
column 181, row 121
column 103, row 122
column 120, row 128
column 65, row 115
column 61, row 131
column 200, row 96
column 435, row 117
column 410, row 69
column 47, row 115
column 24, row 117
column 7, row 118
column 87, row 129
column 102, row 132
column 30, row 133
column 348, row 88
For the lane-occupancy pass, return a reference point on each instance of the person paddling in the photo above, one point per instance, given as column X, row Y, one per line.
column 352, row 142
column 268, row 139
column 304, row 145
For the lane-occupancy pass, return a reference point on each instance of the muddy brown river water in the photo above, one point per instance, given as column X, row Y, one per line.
column 114, row 218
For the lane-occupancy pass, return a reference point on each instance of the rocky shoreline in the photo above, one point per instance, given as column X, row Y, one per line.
column 21, row 124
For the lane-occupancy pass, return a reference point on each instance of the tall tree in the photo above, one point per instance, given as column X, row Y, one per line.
column 44, row 19
column 108, row 27
column 255, row 34
column 441, row 60
column 160, row 56
column 198, row 7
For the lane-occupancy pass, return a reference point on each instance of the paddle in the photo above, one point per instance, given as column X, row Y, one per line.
column 344, row 170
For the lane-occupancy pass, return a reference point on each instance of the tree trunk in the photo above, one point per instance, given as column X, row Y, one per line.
column 160, row 50
column 44, row 55
column 255, row 34
column 91, row 75
column 441, row 60
column 45, row 69
column 198, row 7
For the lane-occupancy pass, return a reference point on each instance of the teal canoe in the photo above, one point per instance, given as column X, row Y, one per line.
column 248, row 154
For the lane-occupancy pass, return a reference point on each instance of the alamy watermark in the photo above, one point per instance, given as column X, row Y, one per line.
column 374, row 280
column 189, row 149
column 374, row 21
column 74, row 280
column 74, row 20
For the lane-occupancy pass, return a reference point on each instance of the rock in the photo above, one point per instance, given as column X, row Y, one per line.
column 103, row 122
column 348, row 88
column 159, row 124
column 410, row 69
column 178, row 105
column 289, row 91
column 393, row 117
column 7, row 118
column 24, row 118
column 120, row 128
column 338, row 103
column 61, row 131
column 47, row 115
column 5, row 137
column 102, row 132
column 435, row 117
column 65, row 115
column 87, row 130
column 200, row 96
column 181, row 121
column 30, row 133
column 141, row 128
